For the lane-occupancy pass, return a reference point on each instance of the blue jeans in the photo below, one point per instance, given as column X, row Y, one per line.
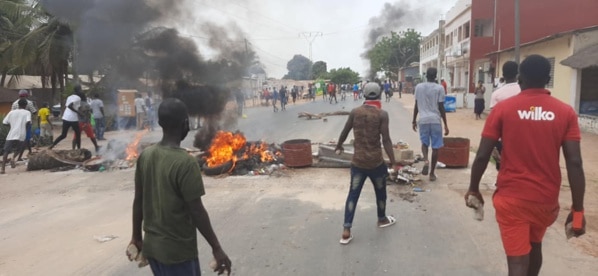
column 187, row 268
column 358, row 175
column 100, row 127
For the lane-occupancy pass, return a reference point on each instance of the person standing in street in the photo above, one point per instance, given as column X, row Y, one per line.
column 70, row 118
column 167, row 202
column 85, row 123
column 24, row 94
column 479, row 102
column 18, row 120
column 140, row 111
column 45, row 124
column 527, row 196
column 444, row 85
column 429, row 104
column 510, row 86
column 509, row 89
column 97, row 108
column 370, row 125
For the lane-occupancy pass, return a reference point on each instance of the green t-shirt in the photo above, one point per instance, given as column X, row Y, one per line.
column 170, row 178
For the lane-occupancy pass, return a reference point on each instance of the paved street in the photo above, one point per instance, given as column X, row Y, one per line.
column 287, row 225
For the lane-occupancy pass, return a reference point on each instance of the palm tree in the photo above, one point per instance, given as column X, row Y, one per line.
column 46, row 49
column 13, row 25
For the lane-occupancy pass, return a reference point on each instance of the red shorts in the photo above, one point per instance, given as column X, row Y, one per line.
column 522, row 222
column 87, row 129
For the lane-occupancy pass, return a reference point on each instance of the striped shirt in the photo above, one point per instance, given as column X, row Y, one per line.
column 30, row 106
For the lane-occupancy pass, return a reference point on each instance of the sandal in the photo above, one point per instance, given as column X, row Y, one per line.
column 347, row 240
column 432, row 177
column 391, row 221
column 426, row 168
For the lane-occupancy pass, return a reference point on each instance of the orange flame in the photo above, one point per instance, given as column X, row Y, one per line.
column 227, row 146
column 224, row 146
column 132, row 149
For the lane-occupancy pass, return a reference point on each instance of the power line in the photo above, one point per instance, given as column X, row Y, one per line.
column 310, row 37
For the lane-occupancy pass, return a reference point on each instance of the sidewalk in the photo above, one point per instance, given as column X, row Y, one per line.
column 462, row 123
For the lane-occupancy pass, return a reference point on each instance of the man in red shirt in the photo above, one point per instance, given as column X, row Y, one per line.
column 526, row 200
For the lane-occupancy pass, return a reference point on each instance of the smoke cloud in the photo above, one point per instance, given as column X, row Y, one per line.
column 128, row 40
column 395, row 17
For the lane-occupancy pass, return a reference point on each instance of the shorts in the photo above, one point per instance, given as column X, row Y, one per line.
column 431, row 134
column 9, row 145
column 87, row 129
column 522, row 222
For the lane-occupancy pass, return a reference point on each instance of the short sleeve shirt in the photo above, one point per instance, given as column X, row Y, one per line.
column 367, row 129
column 43, row 114
column 170, row 179
column 504, row 92
column 69, row 115
column 30, row 106
column 533, row 126
column 17, row 119
column 428, row 95
column 96, row 105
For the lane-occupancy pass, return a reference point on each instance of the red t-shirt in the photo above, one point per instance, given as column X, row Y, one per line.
column 533, row 126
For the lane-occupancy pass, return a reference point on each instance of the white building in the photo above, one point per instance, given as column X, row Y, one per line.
column 456, row 41
column 432, row 51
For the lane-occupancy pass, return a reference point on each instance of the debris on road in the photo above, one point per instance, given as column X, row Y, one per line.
column 311, row 116
column 104, row 238
column 53, row 159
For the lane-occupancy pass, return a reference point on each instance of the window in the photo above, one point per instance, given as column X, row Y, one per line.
column 460, row 34
column 551, row 82
column 483, row 28
column 466, row 28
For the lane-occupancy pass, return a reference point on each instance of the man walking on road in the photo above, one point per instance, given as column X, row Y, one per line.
column 511, row 88
column 168, row 191
column 97, row 107
column 24, row 94
column 429, row 103
column 526, row 199
column 18, row 120
column 370, row 125
column 70, row 118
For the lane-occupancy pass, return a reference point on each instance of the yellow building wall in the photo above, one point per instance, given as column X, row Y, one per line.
column 559, row 49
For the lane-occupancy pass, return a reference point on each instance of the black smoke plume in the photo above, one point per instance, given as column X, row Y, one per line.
column 126, row 41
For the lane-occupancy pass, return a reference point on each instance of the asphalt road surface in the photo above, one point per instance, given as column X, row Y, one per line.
column 288, row 224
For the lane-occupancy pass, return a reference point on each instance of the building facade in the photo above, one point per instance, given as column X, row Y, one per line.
column 457, row 34
column 432, row 51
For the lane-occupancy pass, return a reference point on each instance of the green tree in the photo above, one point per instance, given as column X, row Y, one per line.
column 14, row 24
column 393, row 52
column 319, row 70
column 343, row 76
column 299, row 68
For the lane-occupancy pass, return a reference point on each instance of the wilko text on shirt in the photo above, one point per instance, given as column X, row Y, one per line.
column 535, row 113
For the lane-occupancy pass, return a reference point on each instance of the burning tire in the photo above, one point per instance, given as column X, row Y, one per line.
column 217, row 170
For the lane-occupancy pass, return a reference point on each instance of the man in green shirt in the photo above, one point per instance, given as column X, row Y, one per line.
column 168, row 190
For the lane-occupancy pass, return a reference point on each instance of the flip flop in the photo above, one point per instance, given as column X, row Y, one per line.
column 391, row 221
column 425, row 169
column 346, row 241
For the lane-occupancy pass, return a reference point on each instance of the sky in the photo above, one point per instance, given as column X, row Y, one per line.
column 278, row 29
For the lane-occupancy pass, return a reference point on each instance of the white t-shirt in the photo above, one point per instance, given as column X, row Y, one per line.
column 506, row 91
column 428, row 95
column 17, row 119
column 70, row 115
column 139, row 105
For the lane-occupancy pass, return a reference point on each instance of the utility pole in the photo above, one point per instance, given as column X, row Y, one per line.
column 517, row 32
column 310, row 37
